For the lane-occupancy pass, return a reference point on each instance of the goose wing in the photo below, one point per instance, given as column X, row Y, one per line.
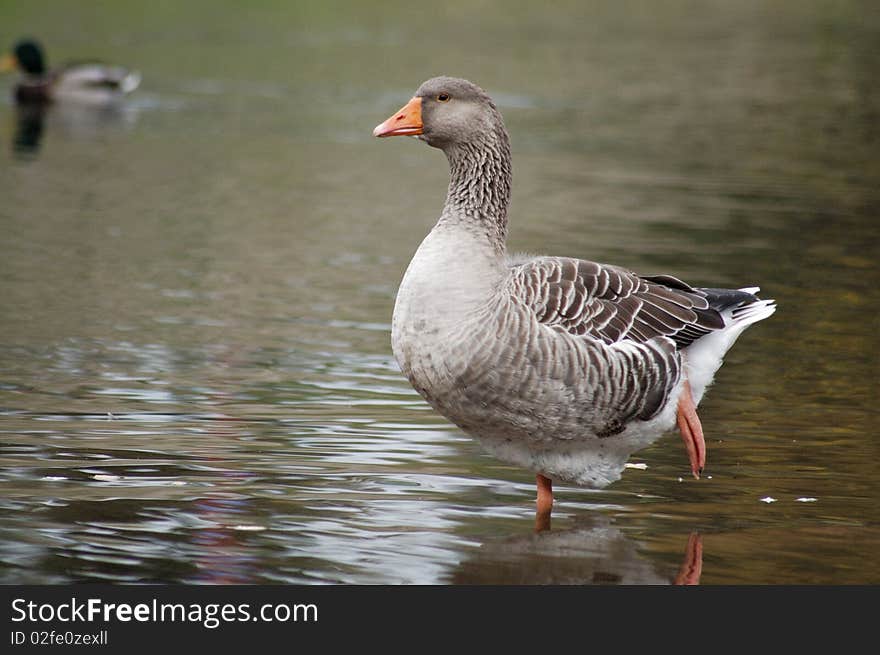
column 611, row 304
column 633, row 328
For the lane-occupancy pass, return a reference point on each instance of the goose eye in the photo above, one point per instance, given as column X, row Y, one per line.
column 443, row 97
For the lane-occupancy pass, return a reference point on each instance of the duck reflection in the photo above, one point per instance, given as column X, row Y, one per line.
column 80, row 122
column 29, row 120
column 593, row 553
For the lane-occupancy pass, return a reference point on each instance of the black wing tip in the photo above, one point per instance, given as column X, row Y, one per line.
column 670, row 282
column 721, row 299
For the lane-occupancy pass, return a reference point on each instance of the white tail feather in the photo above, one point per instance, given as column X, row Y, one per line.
column 704, row 357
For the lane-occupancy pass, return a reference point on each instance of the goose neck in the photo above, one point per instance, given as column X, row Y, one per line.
column 479, row 186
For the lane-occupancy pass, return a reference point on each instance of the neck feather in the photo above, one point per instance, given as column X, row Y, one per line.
column 479, row 186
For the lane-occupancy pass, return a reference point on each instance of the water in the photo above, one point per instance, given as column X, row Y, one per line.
column 196, row 382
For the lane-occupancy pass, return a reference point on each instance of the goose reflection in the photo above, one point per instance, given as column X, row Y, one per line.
column 593, row 553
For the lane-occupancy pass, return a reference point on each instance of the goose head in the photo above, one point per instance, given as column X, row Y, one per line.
column 445, row 112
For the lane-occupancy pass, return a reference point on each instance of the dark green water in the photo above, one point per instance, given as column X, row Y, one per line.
column 196, row 382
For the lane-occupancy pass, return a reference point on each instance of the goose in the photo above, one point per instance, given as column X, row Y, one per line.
column 84, row 82
column 558, row 365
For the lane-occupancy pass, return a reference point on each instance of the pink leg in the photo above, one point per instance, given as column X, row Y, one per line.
column 544, row 504
column 691, row 431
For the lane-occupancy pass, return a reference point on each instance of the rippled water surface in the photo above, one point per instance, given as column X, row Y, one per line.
column 196, row 382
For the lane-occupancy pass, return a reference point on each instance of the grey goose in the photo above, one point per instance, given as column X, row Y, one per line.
column 558, row 365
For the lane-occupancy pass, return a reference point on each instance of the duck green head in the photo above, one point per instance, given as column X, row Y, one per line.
column 26, row 55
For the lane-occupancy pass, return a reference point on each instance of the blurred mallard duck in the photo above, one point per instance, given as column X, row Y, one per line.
column 80, row 81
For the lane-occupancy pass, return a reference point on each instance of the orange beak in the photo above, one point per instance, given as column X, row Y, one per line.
column 405, row 122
